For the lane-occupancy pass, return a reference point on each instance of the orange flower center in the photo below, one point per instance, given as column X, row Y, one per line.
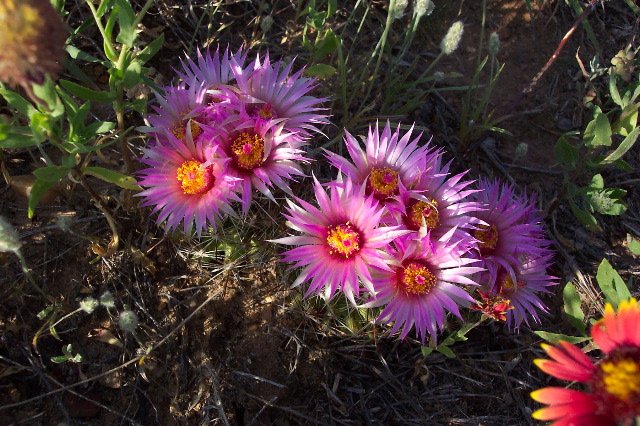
column 488, row 237
column 507, row 286
column 247, row 150
column 621, row 378
column 194, row 178
column 180, row 131
column 343, row 240
column 383, row 182
column 265, row 112
column 416, row 279
column 421, row 210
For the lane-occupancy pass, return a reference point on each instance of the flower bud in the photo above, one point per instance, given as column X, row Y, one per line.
column 451, row 40
column 32, row 39
column 89, row 304
column 494, row 43
column 398, row 9
column 107, row 300
column 128, row 321
column 266, row 23
column 423, row 7
column 9, row 240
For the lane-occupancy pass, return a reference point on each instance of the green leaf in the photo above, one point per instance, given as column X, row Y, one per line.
column 585, row 217
column 39, row 188
column 126, row 21
column 326, row 45
column 566, row 153
column 597, row 182
column 628, row 120
column 78, row 54
column 45, row 312
column 108, row 29
column 598, row 131
column 47, row 93
column 614, row 288
column 111, row 176
column 555, row 338
column 104, row 5
column 634, row 245
column 59, row 359
column 17, row 102
column 572, row 307
column 624, row 146
column 86, row 93
column 613, row 91
column 51, row 173
column 332, row 7
column 607, row 201
column 426, row 350
column 321, row 71
column 151, row 49
column 132, row 74
column 99, row 127
column 54, row 332
column 446, row 351
column 17, row 138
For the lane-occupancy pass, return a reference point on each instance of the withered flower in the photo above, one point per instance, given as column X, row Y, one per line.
column 32, row 42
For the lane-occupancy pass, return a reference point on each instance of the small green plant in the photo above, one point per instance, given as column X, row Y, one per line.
column 67, row 356
column 475, row 116
column 603, row 144
column 61, row 127
column 444, row 346
column 614, row 290
column 319, row 39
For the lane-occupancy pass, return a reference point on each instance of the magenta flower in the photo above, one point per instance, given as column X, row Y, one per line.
column 214, row 71
column 388, row 164
column 274, row 93
column 513, row 249
column 440, row 202
column 260, row 153
column 341, row 242
column 187, row 182
column 178, row 108
column 423, row 284
column 521, row 286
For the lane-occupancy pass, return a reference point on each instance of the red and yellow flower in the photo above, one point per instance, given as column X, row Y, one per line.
column 613, row 383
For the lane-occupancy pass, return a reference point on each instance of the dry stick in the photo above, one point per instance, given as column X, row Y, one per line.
column 554, row 57
column 121, row 366
column 97, row 199
column 48, row 377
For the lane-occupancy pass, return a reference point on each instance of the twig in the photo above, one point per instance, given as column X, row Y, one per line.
column 120, row 367
column 590, row 7
column 97, row 199
column 72, row 392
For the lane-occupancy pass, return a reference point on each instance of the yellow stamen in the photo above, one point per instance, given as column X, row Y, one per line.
column 488, row 237
column 194, row 178
column 383, row 182
column 416, row 279
column 180, row 131
column 343, row 240
column 247, row 150
column 506, row 286
column 419, row 211
column 621, row 378
column 265, row 112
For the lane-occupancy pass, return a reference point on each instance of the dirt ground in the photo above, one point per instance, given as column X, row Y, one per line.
column 227, row 341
